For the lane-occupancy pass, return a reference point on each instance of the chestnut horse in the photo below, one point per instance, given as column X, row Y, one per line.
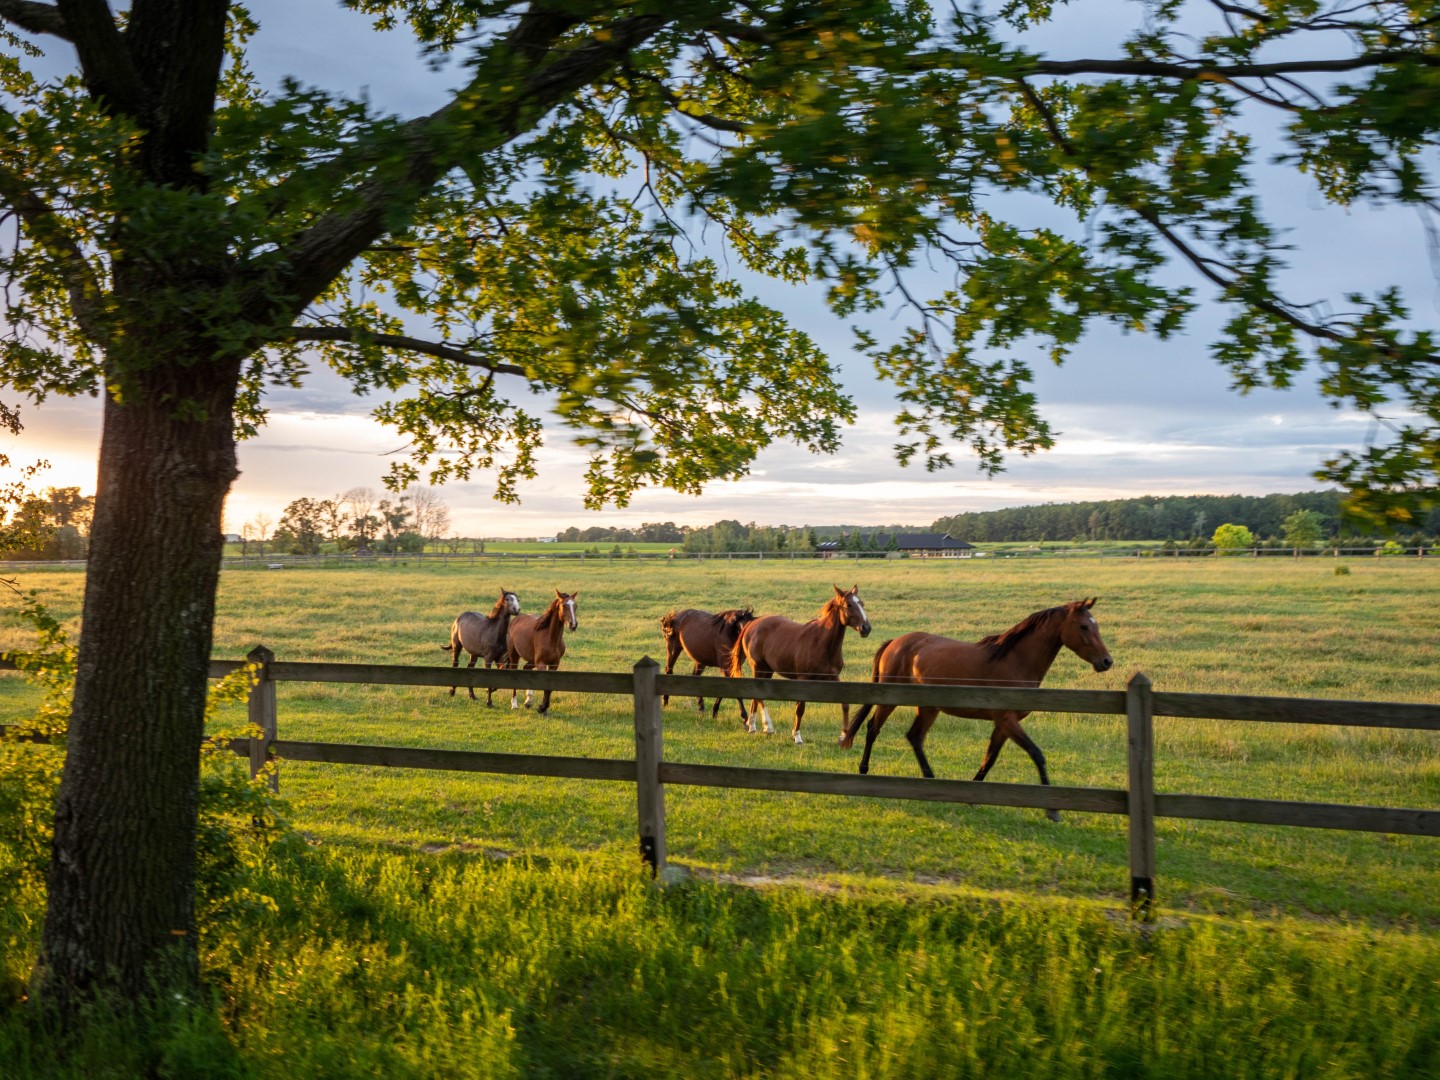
column 775, row 645
column 540, row 642
column 707, row 639
column 1019, row 657
column 483, row 637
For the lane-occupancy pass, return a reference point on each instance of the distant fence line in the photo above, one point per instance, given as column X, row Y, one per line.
column 474, row 558
column 649, row 771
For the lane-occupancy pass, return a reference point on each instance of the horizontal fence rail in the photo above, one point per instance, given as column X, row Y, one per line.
column 650, row 772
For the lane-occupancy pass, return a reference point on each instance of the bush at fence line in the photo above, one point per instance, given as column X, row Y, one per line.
column 1342, row 570
column 239, row 820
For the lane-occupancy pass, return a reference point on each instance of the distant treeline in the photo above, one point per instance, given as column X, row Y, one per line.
column 1176, row 517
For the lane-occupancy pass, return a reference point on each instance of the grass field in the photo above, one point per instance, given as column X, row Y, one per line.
column 1227, row 626
column 425, row 925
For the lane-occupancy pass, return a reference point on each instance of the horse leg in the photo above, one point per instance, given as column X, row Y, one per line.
column 489, row 691
column 471, row 687
column 454, row 662
column 672, row 653
column 924, row 718
column 545, row 699
column 799, row 715
column 530, row 690
column 1028, row 744
column 757, row 704
column 997, row 740
column 877, row 721
column 699, row 701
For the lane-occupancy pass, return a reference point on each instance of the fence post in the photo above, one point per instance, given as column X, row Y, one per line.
column 650, row 792
column 1139, row 711
column 263, row 715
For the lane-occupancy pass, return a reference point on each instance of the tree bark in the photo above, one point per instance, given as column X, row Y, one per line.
column 122, row 874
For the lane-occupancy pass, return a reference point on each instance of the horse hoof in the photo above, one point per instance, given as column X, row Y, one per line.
column 798, row 740
column 1053, row 815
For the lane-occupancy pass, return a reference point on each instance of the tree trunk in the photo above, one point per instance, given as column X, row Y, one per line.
column 122, row 875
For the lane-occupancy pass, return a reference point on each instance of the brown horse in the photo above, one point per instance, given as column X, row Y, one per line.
column 775, row 645
column 1019, row 657
column 707, row 639
column 483, row 637
column 541, row 642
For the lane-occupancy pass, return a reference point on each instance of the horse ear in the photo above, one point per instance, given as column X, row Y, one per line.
column 559, row 595
column 1091, row 602
column 575, row 595
column 838, row 591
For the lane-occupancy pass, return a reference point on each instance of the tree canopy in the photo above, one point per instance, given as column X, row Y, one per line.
column 180, row 237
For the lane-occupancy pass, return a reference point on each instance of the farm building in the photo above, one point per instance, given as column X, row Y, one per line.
column 918, row 545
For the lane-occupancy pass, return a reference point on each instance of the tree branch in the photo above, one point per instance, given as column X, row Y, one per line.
column 1160, row 69
column 437, row 143
column 45, row 228
column 1205, row 266
column 105, row 61
column 35, row 18
column 437, row 349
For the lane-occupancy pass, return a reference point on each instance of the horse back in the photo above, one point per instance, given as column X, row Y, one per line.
column 925, row 659
column 702, row 638
column 790, row 648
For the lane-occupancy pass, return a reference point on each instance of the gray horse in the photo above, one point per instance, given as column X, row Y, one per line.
column 483, row 636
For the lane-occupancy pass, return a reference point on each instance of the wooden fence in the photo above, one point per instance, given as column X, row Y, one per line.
column 1140, row 703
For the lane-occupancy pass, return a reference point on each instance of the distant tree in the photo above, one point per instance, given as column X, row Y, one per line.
column 302, row 526
column 429, row 513
column 1303, row 528
column 1230, row 538
column 262, row 530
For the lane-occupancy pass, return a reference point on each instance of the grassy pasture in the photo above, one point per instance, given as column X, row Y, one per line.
column 1217, row 625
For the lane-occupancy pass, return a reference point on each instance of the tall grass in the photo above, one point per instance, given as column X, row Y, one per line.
column 396, row 965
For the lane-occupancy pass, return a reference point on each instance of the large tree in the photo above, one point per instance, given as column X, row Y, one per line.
column 184, row 236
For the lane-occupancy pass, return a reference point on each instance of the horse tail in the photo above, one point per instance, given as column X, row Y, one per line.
column 735, row 663
column 667, row 623
column 848, row 735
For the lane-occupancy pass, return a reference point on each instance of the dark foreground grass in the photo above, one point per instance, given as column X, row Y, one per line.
column 408, row 965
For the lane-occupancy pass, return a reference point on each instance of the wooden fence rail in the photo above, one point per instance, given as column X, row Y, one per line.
column 1139, row 703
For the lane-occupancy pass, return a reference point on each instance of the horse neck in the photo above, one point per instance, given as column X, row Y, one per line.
column 831, row 621
column 552, row 624
column 1032, row 656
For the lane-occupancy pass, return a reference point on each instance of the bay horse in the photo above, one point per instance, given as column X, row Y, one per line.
column 707, row 639
column 540, row 642
column 483, row 637
column 774, row 645
column 1019, row 657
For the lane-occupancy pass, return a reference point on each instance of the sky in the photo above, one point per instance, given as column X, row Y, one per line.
column 1134, row 416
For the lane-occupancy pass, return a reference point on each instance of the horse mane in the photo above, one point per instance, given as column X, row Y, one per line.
column 728, row 619
column 998, row 646
column 543, row 623
column 499, row 608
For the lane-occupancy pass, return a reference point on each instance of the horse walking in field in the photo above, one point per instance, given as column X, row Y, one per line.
column 775, row 645
column 707, row 639
column 483, row 637
column 1018, row 658
column 540, row 642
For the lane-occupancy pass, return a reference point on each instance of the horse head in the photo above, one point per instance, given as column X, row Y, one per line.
column 1080, row 633
column 565, row 602
column 855, row 616
column 511, row 601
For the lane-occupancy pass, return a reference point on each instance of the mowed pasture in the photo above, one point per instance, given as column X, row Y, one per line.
column 1232, row 625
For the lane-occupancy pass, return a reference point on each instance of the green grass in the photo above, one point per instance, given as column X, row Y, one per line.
column 396, row 965
column 1250, row 627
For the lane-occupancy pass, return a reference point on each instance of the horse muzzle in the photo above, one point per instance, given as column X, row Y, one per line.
column 1104, row 664
column 865, row 630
